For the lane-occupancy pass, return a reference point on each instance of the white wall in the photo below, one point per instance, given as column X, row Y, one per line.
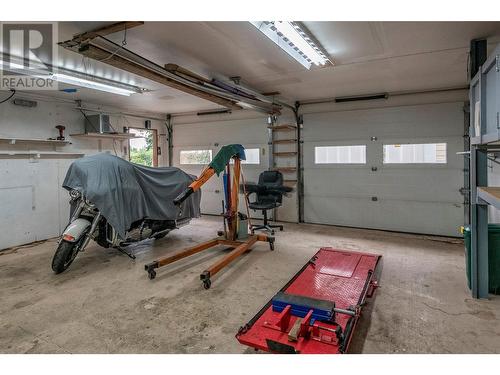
column 33, row 206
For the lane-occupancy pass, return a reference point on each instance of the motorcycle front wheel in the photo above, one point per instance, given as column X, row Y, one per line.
column 65, row 255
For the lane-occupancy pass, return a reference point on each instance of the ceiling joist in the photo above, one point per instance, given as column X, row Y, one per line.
column 106, row 30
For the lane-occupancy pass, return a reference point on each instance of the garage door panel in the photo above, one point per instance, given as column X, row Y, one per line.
column 421, row 198
column 403, row 122
column 212, row 192
column 384, row 184
column 347, row 211
column 420, row 217
column 397, row 215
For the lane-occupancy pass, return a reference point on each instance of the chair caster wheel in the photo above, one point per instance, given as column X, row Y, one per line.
column 220, row 233
column 151, row 274
column 281, row 229
column 272, row 232
column 207, row 284
column 271, row 246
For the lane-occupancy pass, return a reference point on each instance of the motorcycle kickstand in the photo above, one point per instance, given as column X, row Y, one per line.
column 123, row 251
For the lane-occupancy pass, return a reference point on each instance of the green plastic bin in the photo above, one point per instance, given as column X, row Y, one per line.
column 493, row 257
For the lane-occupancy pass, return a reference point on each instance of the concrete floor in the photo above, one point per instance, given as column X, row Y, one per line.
column 106, row 304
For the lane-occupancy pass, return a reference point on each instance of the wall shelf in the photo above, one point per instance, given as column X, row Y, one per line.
column 491, row 195
column 484, row 130
column 284, row 141
column 120, row 136
column 13, row 141
column 39, row 154
column 490, row 139
column 285, row 169
column 284, row 127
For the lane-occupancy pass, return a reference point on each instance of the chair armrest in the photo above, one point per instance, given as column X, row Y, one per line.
column 252, row 187
column 280, row 189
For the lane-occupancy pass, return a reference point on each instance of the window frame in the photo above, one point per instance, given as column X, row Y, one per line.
column 415, row 163
column 317, row 164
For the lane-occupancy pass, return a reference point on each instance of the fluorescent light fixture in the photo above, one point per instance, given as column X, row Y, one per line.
column 294, row 41
column 82, row 82
column 71, row 77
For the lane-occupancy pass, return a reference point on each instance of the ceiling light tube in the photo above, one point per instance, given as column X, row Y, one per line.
column 294, row 41
column 82, row 82
column 294, row 36
column 19, row 66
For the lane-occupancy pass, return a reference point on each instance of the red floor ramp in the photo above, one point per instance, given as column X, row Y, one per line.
column 317, row 310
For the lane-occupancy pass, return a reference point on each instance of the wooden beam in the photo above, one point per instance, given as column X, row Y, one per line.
column 174, row 68
column 106, row 30
column 100, row 54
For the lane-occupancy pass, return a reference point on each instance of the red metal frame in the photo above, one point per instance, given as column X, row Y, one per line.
column 344, row 277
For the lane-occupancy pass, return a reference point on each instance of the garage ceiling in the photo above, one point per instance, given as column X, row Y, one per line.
column 369, row 57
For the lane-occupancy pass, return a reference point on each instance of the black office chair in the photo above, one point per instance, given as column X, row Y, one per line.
column 269, row 195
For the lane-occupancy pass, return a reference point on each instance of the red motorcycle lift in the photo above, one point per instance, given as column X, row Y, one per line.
column 317, row 310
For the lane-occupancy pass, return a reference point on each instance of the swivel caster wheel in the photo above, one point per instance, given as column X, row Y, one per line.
column 271, row 246
column 151, row 274
column 207, row 284
column 272, row 232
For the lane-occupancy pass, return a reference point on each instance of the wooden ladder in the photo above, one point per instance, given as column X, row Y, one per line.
column 283, row 150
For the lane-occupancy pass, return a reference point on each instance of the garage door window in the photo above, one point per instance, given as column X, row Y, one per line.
column 195, row 156
column 340, row 154
column 424, row 153
column 252, row 156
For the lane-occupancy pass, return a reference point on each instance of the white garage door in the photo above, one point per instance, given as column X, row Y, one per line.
column 209, row 137
column 406, row 178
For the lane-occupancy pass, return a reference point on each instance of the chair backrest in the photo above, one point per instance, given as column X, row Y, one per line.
column 271, row 179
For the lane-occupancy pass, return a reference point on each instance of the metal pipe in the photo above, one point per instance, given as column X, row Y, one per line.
column 88, row 235
column 124, row 53
column 344, row 311
column 262, row 97
column 300, row 162
column 390, row 94
column 170, row 140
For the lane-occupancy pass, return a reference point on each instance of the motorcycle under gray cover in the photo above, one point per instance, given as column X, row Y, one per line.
column 125, row 192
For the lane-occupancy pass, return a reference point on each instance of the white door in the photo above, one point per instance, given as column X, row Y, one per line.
column 415, row 189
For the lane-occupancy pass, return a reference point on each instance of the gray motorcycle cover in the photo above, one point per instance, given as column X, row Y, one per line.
column 125, row 192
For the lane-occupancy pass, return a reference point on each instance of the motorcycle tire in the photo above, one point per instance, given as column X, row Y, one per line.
column 64, row 256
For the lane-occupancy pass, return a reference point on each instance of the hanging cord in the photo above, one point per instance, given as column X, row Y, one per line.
column 124, row 43
column 10, row 96
column 246, row 199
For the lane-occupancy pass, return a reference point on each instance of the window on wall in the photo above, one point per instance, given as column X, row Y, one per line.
column 143, row 149
column 340, row 154
column 195, row 157
column 432, row 153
